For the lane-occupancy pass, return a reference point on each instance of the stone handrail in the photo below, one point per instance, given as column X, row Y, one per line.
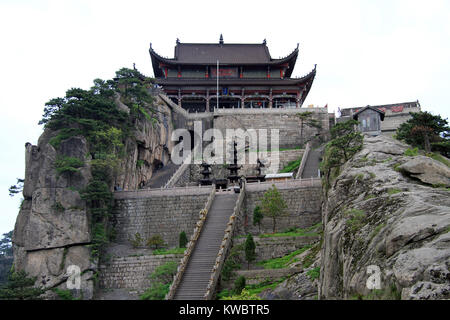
column 190, row 246
column 234, row 111
column 176, row 176
column 224, row 246
column 179, row 172
column 183, row 112
column 287, row 184
column 303, row 162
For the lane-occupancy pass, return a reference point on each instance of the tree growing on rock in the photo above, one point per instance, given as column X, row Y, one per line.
column 20, row 287
column 306, row 119
column 273, row 205
column 345, row 142
column 426, row 131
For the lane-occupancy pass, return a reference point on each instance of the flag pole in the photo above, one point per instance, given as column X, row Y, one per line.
column 217, row 75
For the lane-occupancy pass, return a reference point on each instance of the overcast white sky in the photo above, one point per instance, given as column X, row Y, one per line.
column 367, row 52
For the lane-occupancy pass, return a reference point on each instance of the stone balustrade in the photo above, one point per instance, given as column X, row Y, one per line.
column 225, row 245
column 191, row 245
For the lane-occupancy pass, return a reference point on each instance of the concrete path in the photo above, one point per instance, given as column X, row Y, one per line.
column 311, row 169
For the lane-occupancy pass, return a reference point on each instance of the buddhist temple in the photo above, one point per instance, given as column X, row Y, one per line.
column 204, row 76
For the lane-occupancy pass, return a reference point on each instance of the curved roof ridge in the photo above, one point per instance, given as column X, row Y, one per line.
column 293, row 52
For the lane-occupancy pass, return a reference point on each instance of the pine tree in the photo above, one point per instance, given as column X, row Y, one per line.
column 250, row 254
column 183, row 240
column 257, row 217
column 20, row 287
column 425, row 131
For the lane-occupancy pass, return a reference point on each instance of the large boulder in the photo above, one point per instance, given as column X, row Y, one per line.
column 380, row 222
column 427, row 170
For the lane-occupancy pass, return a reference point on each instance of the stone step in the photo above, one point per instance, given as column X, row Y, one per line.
column 198, row 271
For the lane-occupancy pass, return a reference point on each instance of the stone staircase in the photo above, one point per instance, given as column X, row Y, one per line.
column 311, row 169
column 194, row 282
column 162, row 176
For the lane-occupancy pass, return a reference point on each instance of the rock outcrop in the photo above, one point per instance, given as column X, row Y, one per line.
column 386, row 229
column 52, row 229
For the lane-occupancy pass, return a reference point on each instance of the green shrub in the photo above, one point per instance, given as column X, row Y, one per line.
column 314, row 273
column 283, row 262
column 137, row 240
column 232, row 262
column 311, row 256
column 155, row 241
column 183, row 240
column 393, row 191
column 291, row 166
column 139, row 163
column 295, row 232
column 64, row 294
column 377, row 230
column 245, row 295
column 68, row 165
column 239, row 284
column 161, row 280
column 411, row 152
column 58, row 207
column 249, row 248
column 357, row 219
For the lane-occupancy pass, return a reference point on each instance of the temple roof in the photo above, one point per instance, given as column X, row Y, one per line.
column 226, row 53
column 242, row 82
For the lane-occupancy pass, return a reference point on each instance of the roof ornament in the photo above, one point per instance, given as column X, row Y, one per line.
column 297, row 45
column 221, row 39
column 264, row 41
column 150, row 45
column 178, row 41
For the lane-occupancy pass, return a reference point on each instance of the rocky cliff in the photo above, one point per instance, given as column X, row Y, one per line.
column 53, row 229
column 386, row 224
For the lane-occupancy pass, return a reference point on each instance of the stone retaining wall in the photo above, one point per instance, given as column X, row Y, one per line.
column 285, row 121
column 166, row 213
column 132, row 272
column 303, row 198
column 275, row 247
column 258, row 276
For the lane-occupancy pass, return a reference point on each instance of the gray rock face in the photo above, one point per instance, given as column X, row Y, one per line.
column 298, row 287
column 52, row 230
column 377, row 216
column 151, row 145
column 427, row 170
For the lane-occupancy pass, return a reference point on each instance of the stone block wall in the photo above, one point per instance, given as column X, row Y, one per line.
column 258, row 276
column 275, row 247
column 132, row 272
column 303, row 200
column 285, row 120
column 166, row 213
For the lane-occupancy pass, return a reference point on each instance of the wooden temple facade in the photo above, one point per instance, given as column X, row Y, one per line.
column 248, row 77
